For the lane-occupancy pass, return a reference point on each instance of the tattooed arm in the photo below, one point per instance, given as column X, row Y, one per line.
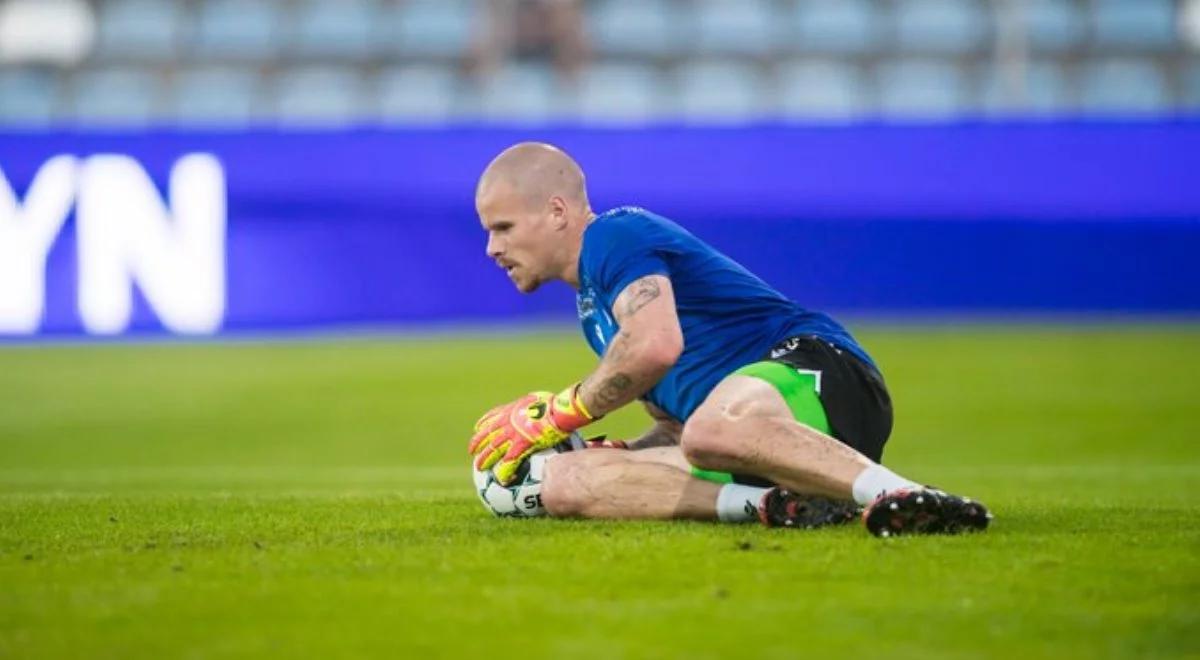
column 642, row 352
column 664, row 433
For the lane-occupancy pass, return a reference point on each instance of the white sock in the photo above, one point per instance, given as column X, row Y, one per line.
column 875, row 480
column 738, row 503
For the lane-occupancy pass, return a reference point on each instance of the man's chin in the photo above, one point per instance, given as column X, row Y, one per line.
column 527, row 284
column 528, row 287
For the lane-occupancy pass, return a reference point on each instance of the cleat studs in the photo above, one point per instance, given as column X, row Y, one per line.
column 966, row 500
column 920, row 499
column 885, row 533
column 894, row 506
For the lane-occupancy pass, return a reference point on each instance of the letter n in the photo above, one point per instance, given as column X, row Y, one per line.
column 127, row 235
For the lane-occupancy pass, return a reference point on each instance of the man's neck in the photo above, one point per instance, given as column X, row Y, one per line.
column 571, row 273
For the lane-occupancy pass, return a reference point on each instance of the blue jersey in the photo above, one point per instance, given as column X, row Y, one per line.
column 729, row 316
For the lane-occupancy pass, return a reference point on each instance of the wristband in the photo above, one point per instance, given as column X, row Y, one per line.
column 567, row 411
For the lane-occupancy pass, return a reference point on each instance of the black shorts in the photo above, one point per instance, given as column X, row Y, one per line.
column 856, row 401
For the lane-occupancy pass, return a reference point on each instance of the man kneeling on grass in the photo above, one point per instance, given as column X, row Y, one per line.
column 764, row 410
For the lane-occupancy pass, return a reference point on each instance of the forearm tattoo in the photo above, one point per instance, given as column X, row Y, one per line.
column 619, row 347
column 613, row 390
column 620, row 377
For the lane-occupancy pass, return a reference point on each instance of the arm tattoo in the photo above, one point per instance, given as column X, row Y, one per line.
column 619, row 347
column 611, row 390
column 644, row 291
column 622, row 375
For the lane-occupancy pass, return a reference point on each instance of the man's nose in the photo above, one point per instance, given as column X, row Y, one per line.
column 493, row 247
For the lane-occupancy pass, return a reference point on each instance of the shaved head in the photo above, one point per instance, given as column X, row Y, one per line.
column 533, row 203
column 534, row 172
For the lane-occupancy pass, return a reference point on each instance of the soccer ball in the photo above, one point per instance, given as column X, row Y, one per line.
column 523, row 499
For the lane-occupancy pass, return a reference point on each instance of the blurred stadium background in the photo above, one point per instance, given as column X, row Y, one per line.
column 138, row 62
column 1060, row 128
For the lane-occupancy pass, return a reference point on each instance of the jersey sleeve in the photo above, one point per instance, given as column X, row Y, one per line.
column 619, row 255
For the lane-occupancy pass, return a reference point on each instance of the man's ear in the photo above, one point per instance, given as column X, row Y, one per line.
column 558, row 213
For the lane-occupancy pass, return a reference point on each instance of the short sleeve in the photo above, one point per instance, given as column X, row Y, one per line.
column 617, row 254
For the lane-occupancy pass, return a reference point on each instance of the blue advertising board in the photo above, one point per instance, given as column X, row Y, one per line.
column 199, row 232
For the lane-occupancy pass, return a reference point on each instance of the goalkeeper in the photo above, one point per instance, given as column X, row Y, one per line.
column 763, row 410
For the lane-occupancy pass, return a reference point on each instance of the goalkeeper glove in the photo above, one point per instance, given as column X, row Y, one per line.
column 506, row 435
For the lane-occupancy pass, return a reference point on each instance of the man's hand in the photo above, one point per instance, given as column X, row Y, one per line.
column 601, row 442
column 506, row 435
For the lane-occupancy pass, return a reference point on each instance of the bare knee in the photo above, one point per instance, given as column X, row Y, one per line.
column 707, row 441
column 713, row 437
column 564, row 485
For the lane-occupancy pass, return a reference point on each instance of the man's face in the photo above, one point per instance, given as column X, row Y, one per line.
column 521, row 235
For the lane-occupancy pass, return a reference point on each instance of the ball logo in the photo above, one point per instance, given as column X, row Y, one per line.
column 174, row 252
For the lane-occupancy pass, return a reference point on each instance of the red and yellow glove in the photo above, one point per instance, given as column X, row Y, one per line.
column 506, row 435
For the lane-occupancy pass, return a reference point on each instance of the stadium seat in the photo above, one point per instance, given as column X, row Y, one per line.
column 27, row 96
column 620, row 92
column 1142, row 24
column 1054, row 25
column 733, row 27
column 319, row 95
column 634, row 27
column 833, row 26
column 345, row 29
column 430, row 28
column 1190, row 98
column 521, row 92
column 941, row 26
column 117, row 96
column 918, row 88
column 1047, row 88
column 48, row 32
column 1188, row 23
column 721, row 91
column 1044, row 90
column 212, row 95
column 421, row 93
column 829, row 90
column 238, row 30
column 141, row 29
column 1120, row 86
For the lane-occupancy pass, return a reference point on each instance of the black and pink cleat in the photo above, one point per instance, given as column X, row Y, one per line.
column 924, row 511
column 783, row 508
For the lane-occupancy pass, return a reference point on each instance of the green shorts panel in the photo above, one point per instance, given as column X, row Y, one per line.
column 800, row 392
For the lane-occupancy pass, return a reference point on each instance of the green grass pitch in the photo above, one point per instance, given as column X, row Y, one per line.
column 314, row 499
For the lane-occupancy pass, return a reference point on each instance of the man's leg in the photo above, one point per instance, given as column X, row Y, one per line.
column 657, row 484
column 745, row 426
column 619, row 483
